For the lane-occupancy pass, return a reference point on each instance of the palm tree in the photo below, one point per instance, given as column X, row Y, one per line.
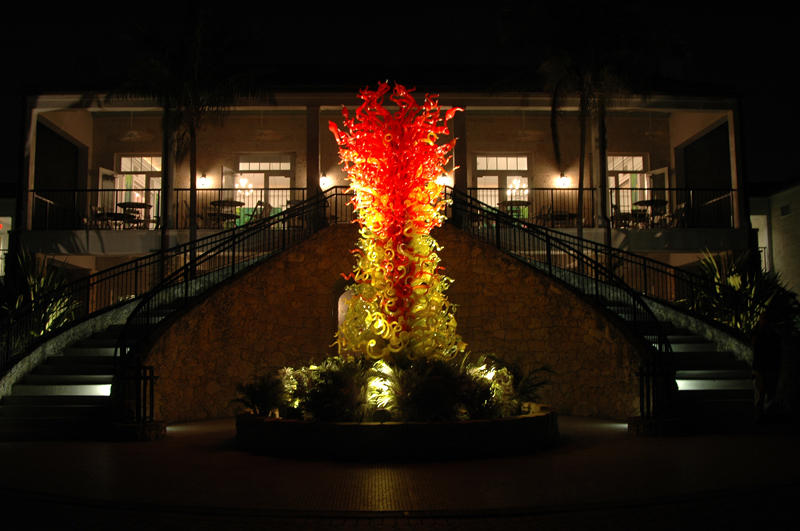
column 187, row 71
column 597, row 83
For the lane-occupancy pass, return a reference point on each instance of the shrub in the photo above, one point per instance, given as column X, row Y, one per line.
column 336, row 390
column 421, row 390
column 263, row 395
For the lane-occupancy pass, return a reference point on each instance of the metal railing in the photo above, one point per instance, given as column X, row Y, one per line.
column 124, row 208
column 675, row 208
column 575, row 262
column 109, row 288
column 226, row 207
column 218, row 261
column 549, row 207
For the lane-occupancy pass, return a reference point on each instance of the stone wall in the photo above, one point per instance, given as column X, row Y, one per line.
column 283, row 312
column 507, row 308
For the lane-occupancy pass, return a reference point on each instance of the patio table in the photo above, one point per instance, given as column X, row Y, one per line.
column 133, row 208
column 651, row 205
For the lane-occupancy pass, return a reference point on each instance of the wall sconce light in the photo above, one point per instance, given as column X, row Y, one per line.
column 324, row 182
column 203, row 181
column 563, row 181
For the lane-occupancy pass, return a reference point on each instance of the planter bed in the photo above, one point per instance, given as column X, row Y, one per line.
column 397, row 441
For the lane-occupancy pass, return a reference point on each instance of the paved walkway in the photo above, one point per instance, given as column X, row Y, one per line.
column 597, row 478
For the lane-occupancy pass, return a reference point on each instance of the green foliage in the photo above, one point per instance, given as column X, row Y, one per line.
column 336, row 390
column 44, row 290
column 737, row 292
column 516, row 382
column 419, row 390
column 266, row 393
column 425, row 389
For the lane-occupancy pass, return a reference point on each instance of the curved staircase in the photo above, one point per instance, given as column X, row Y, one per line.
column 67, row 396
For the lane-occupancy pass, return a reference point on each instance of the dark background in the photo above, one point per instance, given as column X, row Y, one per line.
column 691, row 48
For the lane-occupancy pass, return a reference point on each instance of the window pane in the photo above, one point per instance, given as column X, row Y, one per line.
column 627, row 163
column 522, row 163
column 501, row 163
column 516, row 181
column 491, row 163
column 125, row 164
column 638, row 163
column 136, row 164
column 480, row 163
column 512, row 163
column 487, row 181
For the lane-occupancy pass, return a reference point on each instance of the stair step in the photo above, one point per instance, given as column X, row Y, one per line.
column 74, row 369
column 691, row 355
column 712, row 384
column 713, row 374
column 696, row 395
column 685, row 338
column 709, row 365
column 105, row 349
column 38, row 423
column 66, row 379
column 65, row 389
column 94, row 411
column 693, row 347
column 54, row 400
column 96, row 361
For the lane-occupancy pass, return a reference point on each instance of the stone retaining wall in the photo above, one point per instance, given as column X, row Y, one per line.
column 283, row 312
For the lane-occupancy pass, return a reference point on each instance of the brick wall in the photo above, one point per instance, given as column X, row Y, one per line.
column 283, row 312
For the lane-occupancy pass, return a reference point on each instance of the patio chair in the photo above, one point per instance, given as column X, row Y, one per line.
column 622, row 220
column 545, row 216
column 677, row 219
column 99, row 219
column 260, row 211
column 199, row 216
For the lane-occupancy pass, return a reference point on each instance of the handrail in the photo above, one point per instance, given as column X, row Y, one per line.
column 101, row 291
column 656, row 280
column 216, row 262
column 568, row 261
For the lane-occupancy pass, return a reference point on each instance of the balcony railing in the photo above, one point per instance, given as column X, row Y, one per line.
column 222, row 208
column 676, row 208
column 229, row 207
column 124, row 209
column 126, row 282
column 549, row 207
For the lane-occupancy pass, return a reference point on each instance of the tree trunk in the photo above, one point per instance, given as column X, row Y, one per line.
column 167, row 157
column 604, row 175
column 584, row 112
column 192, row 198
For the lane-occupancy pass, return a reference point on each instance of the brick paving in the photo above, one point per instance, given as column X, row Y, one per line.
column 598, row 478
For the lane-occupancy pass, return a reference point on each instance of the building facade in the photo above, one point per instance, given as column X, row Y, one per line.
column 670, row 182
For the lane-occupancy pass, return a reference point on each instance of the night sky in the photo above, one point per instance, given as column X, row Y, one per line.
column 708, row 49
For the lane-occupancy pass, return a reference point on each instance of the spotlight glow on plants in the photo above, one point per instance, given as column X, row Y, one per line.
column 393, row 162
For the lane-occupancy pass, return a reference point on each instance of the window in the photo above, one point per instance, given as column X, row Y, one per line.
column 501, row 176
column 273, row 172
column 136, row 164
column 627, row 180
column 138, row 180
column 266, row 162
